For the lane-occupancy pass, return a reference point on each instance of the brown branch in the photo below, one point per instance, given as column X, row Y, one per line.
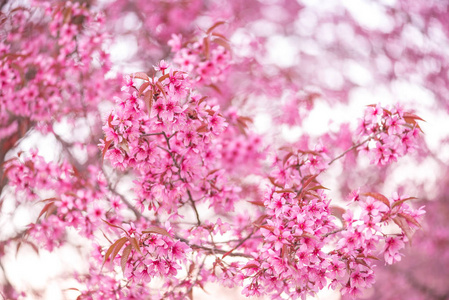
column 240, row 243
column 214, row 250
column 137, row 213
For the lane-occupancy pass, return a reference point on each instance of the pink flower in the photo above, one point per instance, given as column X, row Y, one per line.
column 175, row 42
column 391, row 249
column 129, row 82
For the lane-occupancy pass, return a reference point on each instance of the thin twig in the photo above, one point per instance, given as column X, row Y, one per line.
column 194, row 208
column 213, row 250
column 154, row 133
column 124, row 200
column 350, row 149
column 334, row 232
column 241, row 243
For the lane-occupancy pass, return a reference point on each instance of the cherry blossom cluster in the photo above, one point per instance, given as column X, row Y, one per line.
column 37, row 71
column 70, row 204
column 240, row 153
column 206, row 60
column 390, row 133
column 308, row 243
column 165, row 133
column 297, row 105
column 171, row 138
column 148, row 253
column 180, row 194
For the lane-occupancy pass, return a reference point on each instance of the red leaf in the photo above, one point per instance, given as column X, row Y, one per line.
column 284, row 191
column 18, row 247
column 379, row 197
column 213, row 171
column 135, row 244
column 202, row 99
column 216, row 24
column 318, row 187
column 258, row 203
column 410, row 219
column 143, row 87
column 259, row 220
column 107, row 144
column 161, row 88
column 273, row 181
column 116, row 226
column 216, row 88
column 223, row 43
column 206, row 47
column 372, row 257
column 45, row 209
column 397, row 203
column 338, row 212
column 412, row 116
column 362, row 262
column 191, row 269
column 124, row 258
column 51, row 210
column 402, row 223
column 140, row 75
column 155, row 229
column 162, row 78
column 120, row 242
column 190, row 294
column 286, row 157
column 219, row 35
column 252, row 266
column 148, row 99
column 49, row 199
column 106, row 236
column 267, row 227
column 227, row 253
column 202, row 128
column 308, row 181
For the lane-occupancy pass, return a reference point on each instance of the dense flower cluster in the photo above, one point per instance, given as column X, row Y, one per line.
column 37, row 72
column 167, row 137
column 208, row 58
column 304, row 247
column 391, row 134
